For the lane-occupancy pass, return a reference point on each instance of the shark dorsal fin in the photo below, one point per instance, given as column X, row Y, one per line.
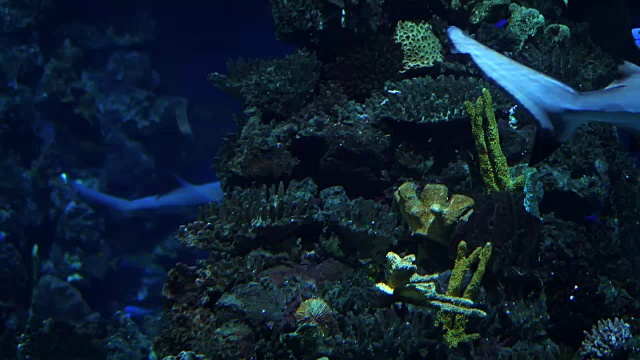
column 627, row 70
column 180, row 180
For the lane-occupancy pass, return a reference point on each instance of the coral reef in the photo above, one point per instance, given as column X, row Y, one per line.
column 185, row 355
column 425, row 99
column 257, row 214
column 365, row 67
column 298, row 20
column 277, row 87
column 309, row 188
column 362, row 129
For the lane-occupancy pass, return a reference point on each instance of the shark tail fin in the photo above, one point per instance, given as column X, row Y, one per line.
column 540, row 94
column 97, row 199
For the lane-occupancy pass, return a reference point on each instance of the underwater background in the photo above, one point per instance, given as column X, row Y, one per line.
column 318, row 179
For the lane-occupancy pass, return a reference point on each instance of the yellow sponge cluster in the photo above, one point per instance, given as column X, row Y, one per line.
column 420, row 45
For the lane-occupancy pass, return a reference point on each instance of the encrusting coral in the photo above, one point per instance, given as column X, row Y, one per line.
column 433, row 214
column 420, row 45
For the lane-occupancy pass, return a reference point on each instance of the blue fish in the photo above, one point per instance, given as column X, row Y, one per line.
column 501, row 23
column 635, row 33
column 592, row 219
column 136, row 311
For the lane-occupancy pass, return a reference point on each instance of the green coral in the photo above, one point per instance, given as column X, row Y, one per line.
column 480, row 10
column 524, row 22
column 557, row 33
column 186, row 355
column 486, row 9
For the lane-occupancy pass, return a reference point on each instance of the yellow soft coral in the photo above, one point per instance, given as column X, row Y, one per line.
column 434, row 214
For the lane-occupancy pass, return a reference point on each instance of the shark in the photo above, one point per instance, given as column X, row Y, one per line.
column 179, row 201
column 557, row 108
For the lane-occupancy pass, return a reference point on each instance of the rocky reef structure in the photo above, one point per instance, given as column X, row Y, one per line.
column 316, row 195
column 359, row 161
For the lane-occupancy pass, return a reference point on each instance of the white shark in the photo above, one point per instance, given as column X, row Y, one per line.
column 179, row 201
column 556, row 106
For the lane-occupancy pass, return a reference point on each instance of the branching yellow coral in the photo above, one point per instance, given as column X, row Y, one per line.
column 455, row 324
column 493, row 163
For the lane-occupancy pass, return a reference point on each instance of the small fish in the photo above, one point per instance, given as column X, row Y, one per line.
column 592, row 219
column 136, row 311
column 501, row 23
column 635, row 33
